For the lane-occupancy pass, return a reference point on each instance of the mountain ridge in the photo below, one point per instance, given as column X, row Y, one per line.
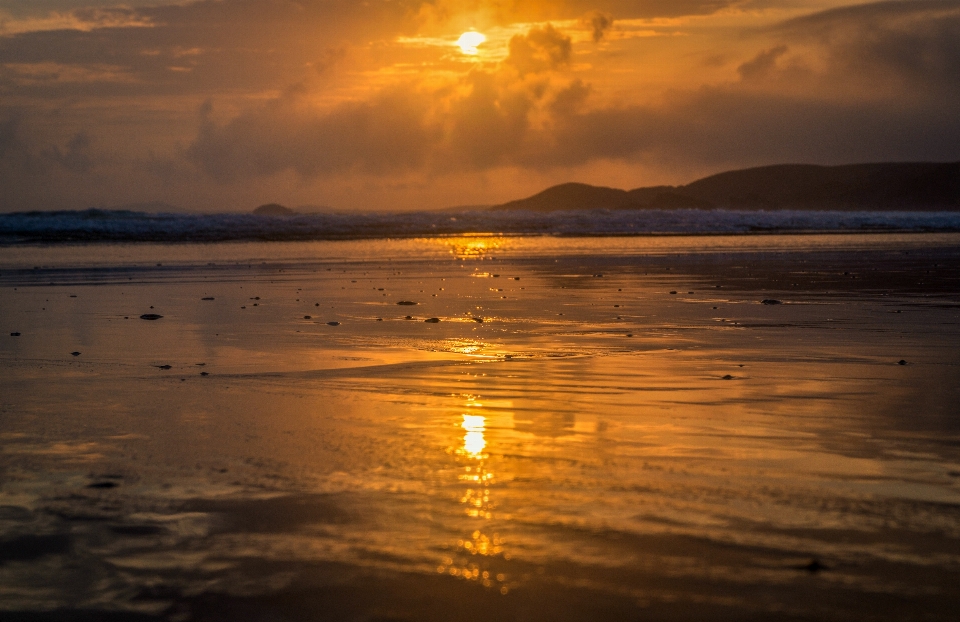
column 883, row 186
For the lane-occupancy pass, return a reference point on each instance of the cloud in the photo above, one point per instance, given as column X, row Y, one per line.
column 913, row 44
column 543, row 48
column 389, row 132
column 762, row 64
column 600, row 22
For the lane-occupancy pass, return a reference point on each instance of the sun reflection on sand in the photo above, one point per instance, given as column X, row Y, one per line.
column 475, row 550
column 476, row 246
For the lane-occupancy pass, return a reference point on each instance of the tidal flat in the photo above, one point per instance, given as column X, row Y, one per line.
column 745, row 427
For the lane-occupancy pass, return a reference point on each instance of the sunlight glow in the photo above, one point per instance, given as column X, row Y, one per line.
column 469, row 41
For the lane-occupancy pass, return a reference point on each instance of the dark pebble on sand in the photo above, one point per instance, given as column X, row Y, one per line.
column 432, row 320
column 164, row 366
column 308, row 317
column 814, row 566
column 208, row 298
column 673, row 292
column 379, row 319
column 771, row 301
column 901, row 362
column 516, row 278
column 333, row 323
column 75, row 353
column 409, row 317
column 14, row 334
column 204, row 373
column 728, row 377
column 103, row 485
column 479, row 320
column 317, row 304
column 150, row 316
column 406, row 303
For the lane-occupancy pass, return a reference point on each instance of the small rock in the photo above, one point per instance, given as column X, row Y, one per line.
column 333, row 323
column 814, row 566
column 75, row 353
column 164, row 366
column 432, row 320
column 771, row 301
column 478, row 320
column 409, row 317
column 103, row 485
column 516, row 278
column 406, row 303
column 673, row 292
column 204, row 373
column 379, row 319
column 150, row 316
column 728, row 377
column 308, row 317
column 208, row 298
column 14, row 334
column 901, row 362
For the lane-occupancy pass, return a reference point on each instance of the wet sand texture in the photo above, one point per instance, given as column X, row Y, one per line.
column 687, row 429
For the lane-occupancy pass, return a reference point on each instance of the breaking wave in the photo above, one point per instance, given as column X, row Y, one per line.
column 99, row 225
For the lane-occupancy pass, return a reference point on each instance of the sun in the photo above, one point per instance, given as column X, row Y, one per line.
column 469, row 41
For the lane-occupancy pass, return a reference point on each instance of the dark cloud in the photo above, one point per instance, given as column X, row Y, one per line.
column 762, row 64
column 600, row 22
column 911, row 43
column 388, row 133
column 543, row 48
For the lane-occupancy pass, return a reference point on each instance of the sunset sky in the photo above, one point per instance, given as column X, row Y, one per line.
column 370, row 105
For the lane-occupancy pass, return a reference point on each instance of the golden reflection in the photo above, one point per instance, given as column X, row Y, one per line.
column 474, row 554
column 473, row 440
column 474, row 246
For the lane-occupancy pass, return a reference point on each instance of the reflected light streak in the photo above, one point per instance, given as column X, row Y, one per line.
column 473, row 440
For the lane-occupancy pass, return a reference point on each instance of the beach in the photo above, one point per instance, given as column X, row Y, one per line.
column 741, row 427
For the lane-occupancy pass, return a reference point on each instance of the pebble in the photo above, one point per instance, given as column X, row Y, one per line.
column 673, row 292
column 814, row 566
column 164, row 366
column 204, row 373
column 333, row 323
column 150, row 316
column 103, row 485
column 432, row 320
column 728, row 377
column 75, row 353
column 901, row 362
column 406, row 303
column 208, row 298
column 771, row 301
column 308, row 317
column 479, row 320
column 14, row 334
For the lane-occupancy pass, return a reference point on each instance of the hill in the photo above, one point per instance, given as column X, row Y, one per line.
column 902, row 186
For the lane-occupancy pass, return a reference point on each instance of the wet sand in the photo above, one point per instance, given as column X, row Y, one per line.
column 629, row 433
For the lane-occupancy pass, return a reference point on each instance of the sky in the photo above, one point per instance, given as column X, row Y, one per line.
column 368, row 105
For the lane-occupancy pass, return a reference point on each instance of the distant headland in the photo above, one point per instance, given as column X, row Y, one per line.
column 273, row 209
column 892, row 186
